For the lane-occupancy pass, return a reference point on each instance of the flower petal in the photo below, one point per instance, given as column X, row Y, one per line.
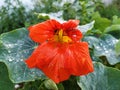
column 60, row 60
column 50, row 59
column 75, row 35
column 78, row 60
column 43, row 31
column 71, row 24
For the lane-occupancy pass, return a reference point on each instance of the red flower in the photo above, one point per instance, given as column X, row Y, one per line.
column 61, row 53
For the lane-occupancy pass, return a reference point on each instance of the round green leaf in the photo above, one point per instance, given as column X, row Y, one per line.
column 15, row 47
column 91, row 40
column 5, row 83
column 103, row 78
column 106, row 47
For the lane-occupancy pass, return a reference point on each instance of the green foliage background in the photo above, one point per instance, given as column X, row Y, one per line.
column 103, row 37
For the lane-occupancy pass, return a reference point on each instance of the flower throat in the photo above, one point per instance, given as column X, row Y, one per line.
column 61, row 36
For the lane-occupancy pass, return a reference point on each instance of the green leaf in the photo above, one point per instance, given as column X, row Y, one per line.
column 15, row 47
column 113, row 30
column 91, row 40
column 106, row 47
column 116, row 20
column 86, row 27
column 117, row 48
column 103, row 78
column 100, row 22
column 50, row 85
column 60, row 86
column 33, row 85
column 5, row 83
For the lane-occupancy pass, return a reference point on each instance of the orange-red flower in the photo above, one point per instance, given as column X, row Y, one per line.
column 61, row 53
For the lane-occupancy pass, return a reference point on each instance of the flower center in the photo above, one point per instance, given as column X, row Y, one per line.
column 61, row 36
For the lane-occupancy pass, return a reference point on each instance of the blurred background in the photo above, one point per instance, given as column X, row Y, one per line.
column 23, row 13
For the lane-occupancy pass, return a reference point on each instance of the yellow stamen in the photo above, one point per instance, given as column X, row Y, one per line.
column 66, row 39
column 60, row 37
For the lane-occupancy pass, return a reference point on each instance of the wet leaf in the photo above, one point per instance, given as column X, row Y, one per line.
column 15, row 47
column 5, row 83
column 106, row 47
column 103, row 78
column 91, row 40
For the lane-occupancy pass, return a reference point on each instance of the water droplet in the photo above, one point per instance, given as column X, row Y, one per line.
column 74, row 35
column 9, row 51
column 33, row 72
column 18, row 79
column 101, row 44
column 21, row 59
column 10, row 60
column 10, row 45
column 106, row 51
column 98, row 47
column 17, row 60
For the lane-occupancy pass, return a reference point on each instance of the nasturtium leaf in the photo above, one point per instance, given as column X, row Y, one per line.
column 91, row 40
column 5, row 83
column 33, row 85
column 117, row 48
column 86, row 27
column 15, row 47
column 106, row 47
column 103, row 78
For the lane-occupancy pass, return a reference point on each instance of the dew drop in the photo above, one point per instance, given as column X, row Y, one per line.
column 98, row 47
column 74, row 35
column 33, row 72
column 18, row 79
column 106, row 51
column 10, row 60
column 17, row 60
column 21, row 59
column 9, row 51
column 101, row 44
column 40, row 75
